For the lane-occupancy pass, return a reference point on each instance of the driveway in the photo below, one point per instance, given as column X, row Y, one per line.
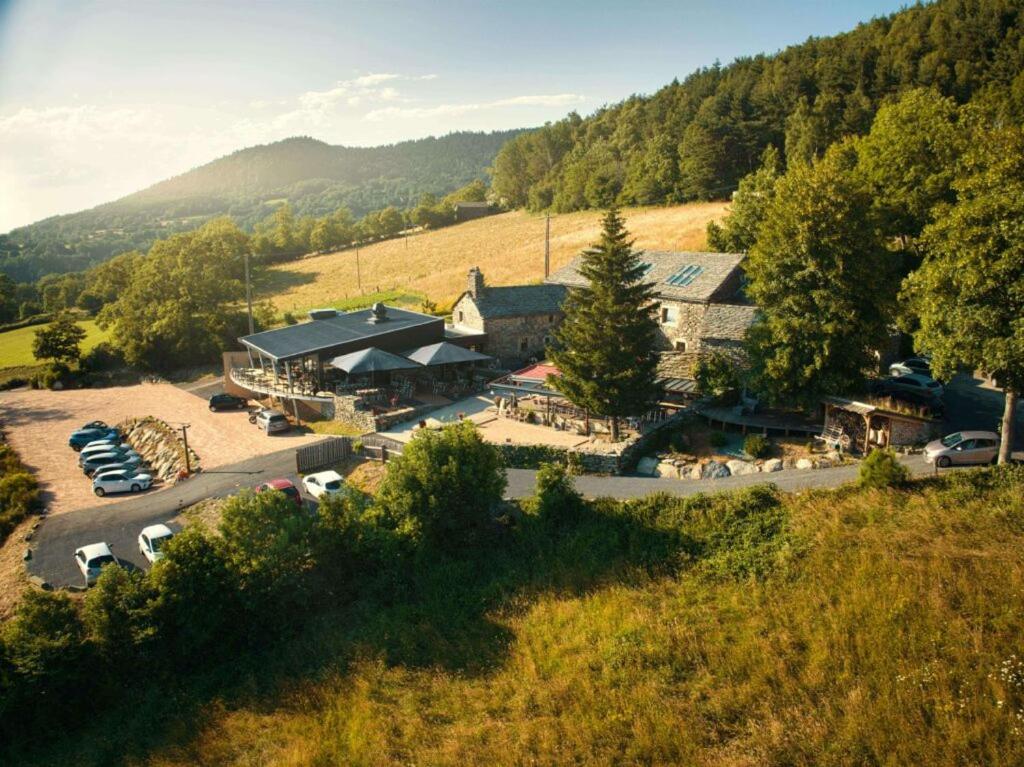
column 119, row 525
column 38, row 424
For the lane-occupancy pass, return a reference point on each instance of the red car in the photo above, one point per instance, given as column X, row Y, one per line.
column 285, row 486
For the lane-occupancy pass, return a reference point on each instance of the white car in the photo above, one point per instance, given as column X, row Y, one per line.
column 92, row 559
column 95, row 448
column 152, row 540
column 323, row 482
column 121, row 481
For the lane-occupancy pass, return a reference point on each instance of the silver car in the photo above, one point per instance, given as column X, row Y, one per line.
column 272, row 421
column 963, row 447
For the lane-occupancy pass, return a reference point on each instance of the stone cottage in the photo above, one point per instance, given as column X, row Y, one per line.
column 517, row 320
column 701, row 308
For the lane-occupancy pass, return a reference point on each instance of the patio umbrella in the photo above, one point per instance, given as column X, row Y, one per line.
column 371, row 360
column 444, row 353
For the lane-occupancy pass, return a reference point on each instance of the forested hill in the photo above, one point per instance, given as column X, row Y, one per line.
column 695, row 139
column 316, row 178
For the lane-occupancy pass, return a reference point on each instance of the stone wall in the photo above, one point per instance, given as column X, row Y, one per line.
column 506, row 334
column 686, row 329
column 910, row 432
column 466, row 314
column 160, row 446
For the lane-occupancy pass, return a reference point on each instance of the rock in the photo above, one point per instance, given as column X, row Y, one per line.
column 772, row 464
column 714, row 470
column 667, row 470
column 738, row 468
column 647, row 465
column 823, row 463
column 834, row 457
column 695, row 471
column 788, row 463
column 805, row 463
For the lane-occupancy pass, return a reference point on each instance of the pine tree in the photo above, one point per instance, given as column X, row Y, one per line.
column 604, row 348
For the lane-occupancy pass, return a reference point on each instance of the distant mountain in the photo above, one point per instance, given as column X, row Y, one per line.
column 316, row 178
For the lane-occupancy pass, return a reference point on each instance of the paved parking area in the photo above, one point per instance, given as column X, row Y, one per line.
column 38, row 424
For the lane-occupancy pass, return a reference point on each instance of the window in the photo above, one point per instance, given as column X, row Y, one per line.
column 685, row 276
column 669, row 315
column 524, row 344
column 680, row 346
column 460, row 316
column 551, row 319
column 547, row 340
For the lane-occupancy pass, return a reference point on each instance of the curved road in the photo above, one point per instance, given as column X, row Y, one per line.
column 119, row 525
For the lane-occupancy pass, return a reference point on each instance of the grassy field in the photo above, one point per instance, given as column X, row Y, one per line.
column 509, row 248
column 845, row 627
column 16, row 345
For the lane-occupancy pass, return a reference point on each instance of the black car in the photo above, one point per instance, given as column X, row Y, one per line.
column 227, row 402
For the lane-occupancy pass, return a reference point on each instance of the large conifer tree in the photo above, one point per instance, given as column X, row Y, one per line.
column 605, row 346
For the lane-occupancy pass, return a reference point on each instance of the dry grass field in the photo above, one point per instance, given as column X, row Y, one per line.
column 509, row 248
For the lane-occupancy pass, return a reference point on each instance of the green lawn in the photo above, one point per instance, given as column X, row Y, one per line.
column 16, row 345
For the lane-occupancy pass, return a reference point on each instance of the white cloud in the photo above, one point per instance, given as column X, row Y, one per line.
column 453, row 110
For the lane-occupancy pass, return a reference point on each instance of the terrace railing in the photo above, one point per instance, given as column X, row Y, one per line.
column 262, row 382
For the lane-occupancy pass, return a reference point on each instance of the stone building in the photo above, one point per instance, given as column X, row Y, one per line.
column 518, row 320
column 701, row 308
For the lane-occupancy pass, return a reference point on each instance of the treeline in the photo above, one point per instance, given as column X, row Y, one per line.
column 694, row 140
column 282, row 235
column 315, row 178
column 416, row 569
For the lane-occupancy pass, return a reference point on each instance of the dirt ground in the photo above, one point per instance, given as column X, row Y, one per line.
column 38, row 424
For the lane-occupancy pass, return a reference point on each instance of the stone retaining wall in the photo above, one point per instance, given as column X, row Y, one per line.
column 160, row 446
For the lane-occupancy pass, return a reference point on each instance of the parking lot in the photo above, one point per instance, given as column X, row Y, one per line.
column 38, row 424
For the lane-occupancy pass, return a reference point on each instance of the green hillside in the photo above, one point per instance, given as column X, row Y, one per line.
column 694, row 140
column 316, row 178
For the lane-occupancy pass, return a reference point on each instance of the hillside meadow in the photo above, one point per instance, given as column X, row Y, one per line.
column 16, row 345
column 509, row 248
column 841, row 627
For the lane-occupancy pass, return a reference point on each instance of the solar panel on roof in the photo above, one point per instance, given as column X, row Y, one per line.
column 685, row 276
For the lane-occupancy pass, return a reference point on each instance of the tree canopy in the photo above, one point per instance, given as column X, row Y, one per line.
column 605, row 346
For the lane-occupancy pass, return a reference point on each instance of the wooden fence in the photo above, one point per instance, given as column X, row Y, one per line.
column 323, row 454
column 379, row 448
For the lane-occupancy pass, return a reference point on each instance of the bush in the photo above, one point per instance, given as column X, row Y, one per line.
column 555, row 500
column 289, row 318
column 54, row 374
column 757, row 446
column 716, row 375
column 532, row 456
column 679, row 442
column 103, row 357
column 718, row 439
column 443, row 488
column 19, row 495
column 882, row 469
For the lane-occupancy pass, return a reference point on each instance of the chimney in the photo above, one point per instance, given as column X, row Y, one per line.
column 378, row 313
column 476, row 282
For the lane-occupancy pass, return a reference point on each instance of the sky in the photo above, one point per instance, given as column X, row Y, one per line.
column 101, row 99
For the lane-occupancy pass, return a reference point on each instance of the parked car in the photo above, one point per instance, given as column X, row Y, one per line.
column 92, row 559
column 919, row 365
column 96, row 425
column 323, row 482
column 152, row 540
column 81, row 437
column 121, row 481
column 108, row 446
column 963, row 447
column 910, row 382
column 227, row 402
column 131, row 466
column 123, row 460
column 272, row 421
column 284, row 486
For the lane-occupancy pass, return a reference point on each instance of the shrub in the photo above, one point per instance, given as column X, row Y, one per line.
column 716, row 375
column 103, row 357
column 19, row 495
column 54, row 374
column 679, row 441
column 718, row 439
column 289, row 318
column 882, row 469
column 555, row 500
column 532, row 456
column 757, row 446
column 443, row 487
column 114, row 613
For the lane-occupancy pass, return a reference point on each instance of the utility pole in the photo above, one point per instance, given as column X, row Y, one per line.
column 547, row 245
column 359, row 279
column 184, row 438
column 248, row 296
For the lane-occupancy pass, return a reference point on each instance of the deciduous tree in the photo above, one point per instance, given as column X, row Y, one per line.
column 968, row 295
column 60, row 341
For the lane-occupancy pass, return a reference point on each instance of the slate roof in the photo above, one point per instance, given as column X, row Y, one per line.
column 520, row 300
column 323, row 334
column 714, row 270
column 728, row 322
